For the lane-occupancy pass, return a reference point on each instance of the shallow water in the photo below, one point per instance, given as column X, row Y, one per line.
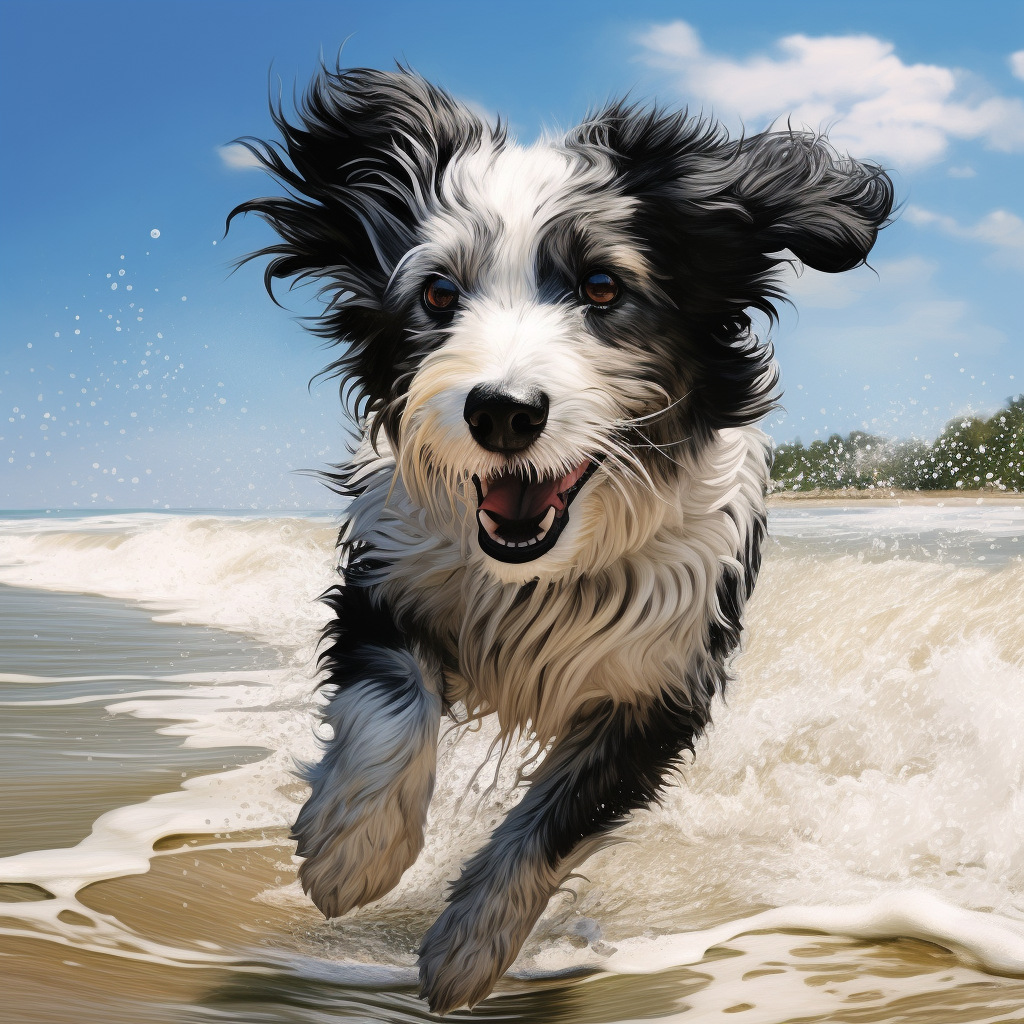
column 863, row 788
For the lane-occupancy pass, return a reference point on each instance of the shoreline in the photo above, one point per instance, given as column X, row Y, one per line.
column 893, row 497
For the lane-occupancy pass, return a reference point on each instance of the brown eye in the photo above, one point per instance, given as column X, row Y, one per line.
column 599, row 289
column 440, row 295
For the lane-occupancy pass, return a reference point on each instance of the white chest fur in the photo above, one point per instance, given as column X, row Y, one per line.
column 627, row 620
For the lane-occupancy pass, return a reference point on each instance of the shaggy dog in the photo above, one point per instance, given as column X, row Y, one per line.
column 557, row 507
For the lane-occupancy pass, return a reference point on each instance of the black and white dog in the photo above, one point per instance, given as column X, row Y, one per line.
column 558, row 504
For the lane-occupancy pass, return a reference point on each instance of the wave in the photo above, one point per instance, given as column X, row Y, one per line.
column 867, row 763
column 260, row 576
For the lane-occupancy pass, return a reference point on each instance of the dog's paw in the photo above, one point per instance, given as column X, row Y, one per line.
column 468, row 948
column 361, row 863
column 362, row 825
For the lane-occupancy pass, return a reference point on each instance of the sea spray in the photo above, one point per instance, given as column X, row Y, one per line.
column 867, row 757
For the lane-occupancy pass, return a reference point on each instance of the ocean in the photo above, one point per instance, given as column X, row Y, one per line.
column 846, row 845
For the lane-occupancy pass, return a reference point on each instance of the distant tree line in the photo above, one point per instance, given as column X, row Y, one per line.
column 970, row 453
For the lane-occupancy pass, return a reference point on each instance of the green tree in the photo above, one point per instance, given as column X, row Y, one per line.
column 969, row 453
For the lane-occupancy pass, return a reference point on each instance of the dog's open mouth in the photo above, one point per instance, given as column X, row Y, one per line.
column 522, row 517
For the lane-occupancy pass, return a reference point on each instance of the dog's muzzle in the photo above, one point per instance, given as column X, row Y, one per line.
column 522, row 517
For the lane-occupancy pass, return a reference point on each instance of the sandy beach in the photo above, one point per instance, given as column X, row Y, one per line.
column 157, row 691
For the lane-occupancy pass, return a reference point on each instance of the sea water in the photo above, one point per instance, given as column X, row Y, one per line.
column 846, row 845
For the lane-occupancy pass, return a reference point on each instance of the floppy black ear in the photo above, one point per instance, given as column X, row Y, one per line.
column 765, row 193
column 801, row 195
column 361, row 166
column 714, row 214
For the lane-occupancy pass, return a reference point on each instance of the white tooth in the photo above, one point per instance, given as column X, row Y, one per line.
column 549, row 518
column 524, row 544
column 532, row 542
column 489, row 525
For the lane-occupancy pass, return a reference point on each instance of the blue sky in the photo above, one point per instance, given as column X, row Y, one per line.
column 115, row 118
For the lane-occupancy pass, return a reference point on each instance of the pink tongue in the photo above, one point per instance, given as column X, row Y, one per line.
column 511, row 497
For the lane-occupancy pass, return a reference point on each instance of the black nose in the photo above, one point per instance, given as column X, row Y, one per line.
column 501, row 421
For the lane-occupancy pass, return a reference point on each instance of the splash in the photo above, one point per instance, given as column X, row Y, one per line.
column 865, row 776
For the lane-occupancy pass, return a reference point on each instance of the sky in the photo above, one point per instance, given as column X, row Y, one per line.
column 138, row 371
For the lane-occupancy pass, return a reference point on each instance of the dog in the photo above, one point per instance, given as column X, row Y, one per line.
column 557, row 505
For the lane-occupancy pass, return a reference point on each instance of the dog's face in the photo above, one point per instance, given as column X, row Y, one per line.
column 525, row 296
column 546, row 334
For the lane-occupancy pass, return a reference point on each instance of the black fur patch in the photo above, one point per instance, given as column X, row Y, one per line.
column 365, row 144
column 713, row 215
column 610, row 763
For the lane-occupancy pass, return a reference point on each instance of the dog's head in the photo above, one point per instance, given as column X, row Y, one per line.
column 552, row 328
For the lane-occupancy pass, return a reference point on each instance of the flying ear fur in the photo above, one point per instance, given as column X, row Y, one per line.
column 801, row 195
column 787, row 189
column 362, row 166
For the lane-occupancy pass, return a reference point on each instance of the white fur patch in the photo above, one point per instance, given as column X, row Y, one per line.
column 363, row 825
column 623, row 600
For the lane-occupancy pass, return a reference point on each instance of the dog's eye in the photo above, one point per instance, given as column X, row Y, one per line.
column 600, row 289
column 440, row 295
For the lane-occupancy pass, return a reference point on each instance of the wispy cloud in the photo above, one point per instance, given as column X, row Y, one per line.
column 897, row 308
column 1003, row 230
column 238, row 158
column 873, row 103
column 1017, row 63
column 812, row 289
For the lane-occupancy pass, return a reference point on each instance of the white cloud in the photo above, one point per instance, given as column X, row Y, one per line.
column 920, row 217
column 919, row 325
column 856, row 86
column 238, row 158
column 1017, row 63
column 962, row 172
column 1003, row 230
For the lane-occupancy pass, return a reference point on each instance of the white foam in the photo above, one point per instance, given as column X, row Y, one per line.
column 852, row 522
column 261, row 576
column 866, row 776
column 995, row 943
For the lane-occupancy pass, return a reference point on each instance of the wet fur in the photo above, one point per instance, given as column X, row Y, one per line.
column 610, row 648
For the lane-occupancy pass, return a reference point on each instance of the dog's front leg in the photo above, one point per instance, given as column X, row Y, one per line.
column 608, row 764
column 362, row 825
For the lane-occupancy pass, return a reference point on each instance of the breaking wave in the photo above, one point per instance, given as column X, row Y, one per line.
column 864, row 777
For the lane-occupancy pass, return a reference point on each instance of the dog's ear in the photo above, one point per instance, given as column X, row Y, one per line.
column 801, row 195
column 757, row 195
column 715, row 215
column 361, row 165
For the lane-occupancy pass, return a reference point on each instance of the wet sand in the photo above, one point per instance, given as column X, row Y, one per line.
column 869, row 747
